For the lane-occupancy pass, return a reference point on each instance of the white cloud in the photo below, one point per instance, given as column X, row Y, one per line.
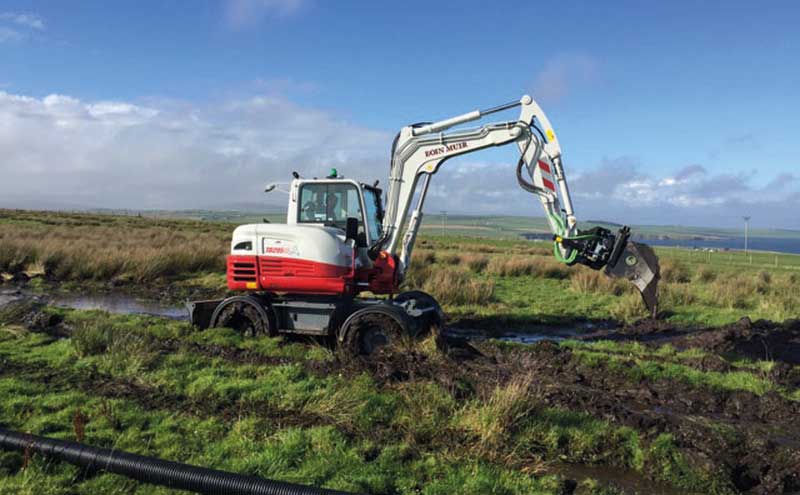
column 616, row 190
column 10, row 35
column 32, row 21
column 61, row 150
column 244, row 13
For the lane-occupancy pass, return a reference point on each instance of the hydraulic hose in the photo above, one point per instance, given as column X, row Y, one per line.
column 152, row 470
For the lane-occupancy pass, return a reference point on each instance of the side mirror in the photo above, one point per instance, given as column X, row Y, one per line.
column 351, row 228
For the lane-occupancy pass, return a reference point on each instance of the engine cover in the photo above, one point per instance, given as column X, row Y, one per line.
column 290, row 258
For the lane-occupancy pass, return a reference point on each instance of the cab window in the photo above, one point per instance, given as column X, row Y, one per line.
column 372, row 202
column 329, row 204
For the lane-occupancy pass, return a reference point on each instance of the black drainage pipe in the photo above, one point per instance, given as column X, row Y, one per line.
column 152, row 470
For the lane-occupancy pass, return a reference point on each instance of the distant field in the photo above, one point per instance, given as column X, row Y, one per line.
column 489, row 226
column 510, row 279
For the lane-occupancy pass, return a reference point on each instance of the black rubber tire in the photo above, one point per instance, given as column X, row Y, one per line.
column 428, row 320
column 372, row 327
column 247, row 315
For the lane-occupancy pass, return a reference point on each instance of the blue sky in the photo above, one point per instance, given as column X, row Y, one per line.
column 668, row 112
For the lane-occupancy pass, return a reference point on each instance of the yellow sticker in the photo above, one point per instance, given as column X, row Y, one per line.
column 551, row 135
column 251, row 285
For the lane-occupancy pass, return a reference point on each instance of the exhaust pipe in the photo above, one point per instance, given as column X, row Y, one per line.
column 152, row 470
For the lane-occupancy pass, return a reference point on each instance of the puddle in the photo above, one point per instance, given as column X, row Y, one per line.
column 10, row 295
column 119, row 304
column 529, row 335
column 629, row 482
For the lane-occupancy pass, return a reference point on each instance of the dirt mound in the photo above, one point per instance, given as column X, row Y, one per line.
column 759, row 449
column 762, row 339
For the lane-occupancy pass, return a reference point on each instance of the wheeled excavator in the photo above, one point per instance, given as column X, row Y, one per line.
column 340, row 240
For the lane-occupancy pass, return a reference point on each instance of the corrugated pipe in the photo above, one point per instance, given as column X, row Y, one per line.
column 152, row 470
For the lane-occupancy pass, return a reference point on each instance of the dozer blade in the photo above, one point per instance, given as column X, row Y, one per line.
column 638, row 263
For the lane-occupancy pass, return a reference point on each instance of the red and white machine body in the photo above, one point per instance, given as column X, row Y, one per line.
column 311, row 254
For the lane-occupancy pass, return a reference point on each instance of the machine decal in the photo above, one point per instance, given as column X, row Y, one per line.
column 444, row 149
column 280, row 247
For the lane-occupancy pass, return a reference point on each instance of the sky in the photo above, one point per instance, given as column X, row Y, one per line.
column 667, row 112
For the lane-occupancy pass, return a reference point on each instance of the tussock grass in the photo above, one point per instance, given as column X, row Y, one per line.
column 102, row 248
column 424, row 257
column 495, row 419
column 450, row 259
column 675, row 272
column 587, row 281
column 673, row 296
column 475, row 262
column 456, row 286
column 16, row 257
column 121, row 351
column 705, row 275
column 628, row 308
column 535, row 266
column 733, row 292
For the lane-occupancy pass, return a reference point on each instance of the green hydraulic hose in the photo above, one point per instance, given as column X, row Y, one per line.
column 561, row 231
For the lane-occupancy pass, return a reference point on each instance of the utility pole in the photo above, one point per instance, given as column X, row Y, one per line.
column 746, row 231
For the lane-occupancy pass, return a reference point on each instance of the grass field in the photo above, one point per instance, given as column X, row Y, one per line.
column 510, row 420
column 505, row 280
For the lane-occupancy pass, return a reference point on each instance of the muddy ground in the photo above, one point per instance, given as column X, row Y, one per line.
column 752, row 441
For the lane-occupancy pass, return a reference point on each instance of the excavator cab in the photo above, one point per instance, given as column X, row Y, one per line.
column 332, row 201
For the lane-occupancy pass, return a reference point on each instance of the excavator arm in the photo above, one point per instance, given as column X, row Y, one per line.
column 419, row 150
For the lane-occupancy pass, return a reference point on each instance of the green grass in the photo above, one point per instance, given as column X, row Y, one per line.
column 290, row 410
column 354, row 434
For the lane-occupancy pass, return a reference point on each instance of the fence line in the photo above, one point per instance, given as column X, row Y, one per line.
column 726, row 258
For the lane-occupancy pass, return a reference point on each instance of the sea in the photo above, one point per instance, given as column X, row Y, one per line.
column 779, row 245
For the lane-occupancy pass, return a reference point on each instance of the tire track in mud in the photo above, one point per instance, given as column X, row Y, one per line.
column 754, row 440
column 759, row 450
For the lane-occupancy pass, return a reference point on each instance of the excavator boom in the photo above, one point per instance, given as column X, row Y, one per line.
column 419, row 151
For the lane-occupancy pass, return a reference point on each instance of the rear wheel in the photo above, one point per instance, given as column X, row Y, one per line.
column 247, row 315
column 371, row 328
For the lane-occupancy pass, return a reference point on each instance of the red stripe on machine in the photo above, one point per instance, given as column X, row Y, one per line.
column 549, row 184
column 544, row 166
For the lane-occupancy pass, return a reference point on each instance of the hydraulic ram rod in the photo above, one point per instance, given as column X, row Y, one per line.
column 152, row 470
column 461, row 119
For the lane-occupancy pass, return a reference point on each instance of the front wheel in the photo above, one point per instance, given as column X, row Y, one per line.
column 423, row 308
